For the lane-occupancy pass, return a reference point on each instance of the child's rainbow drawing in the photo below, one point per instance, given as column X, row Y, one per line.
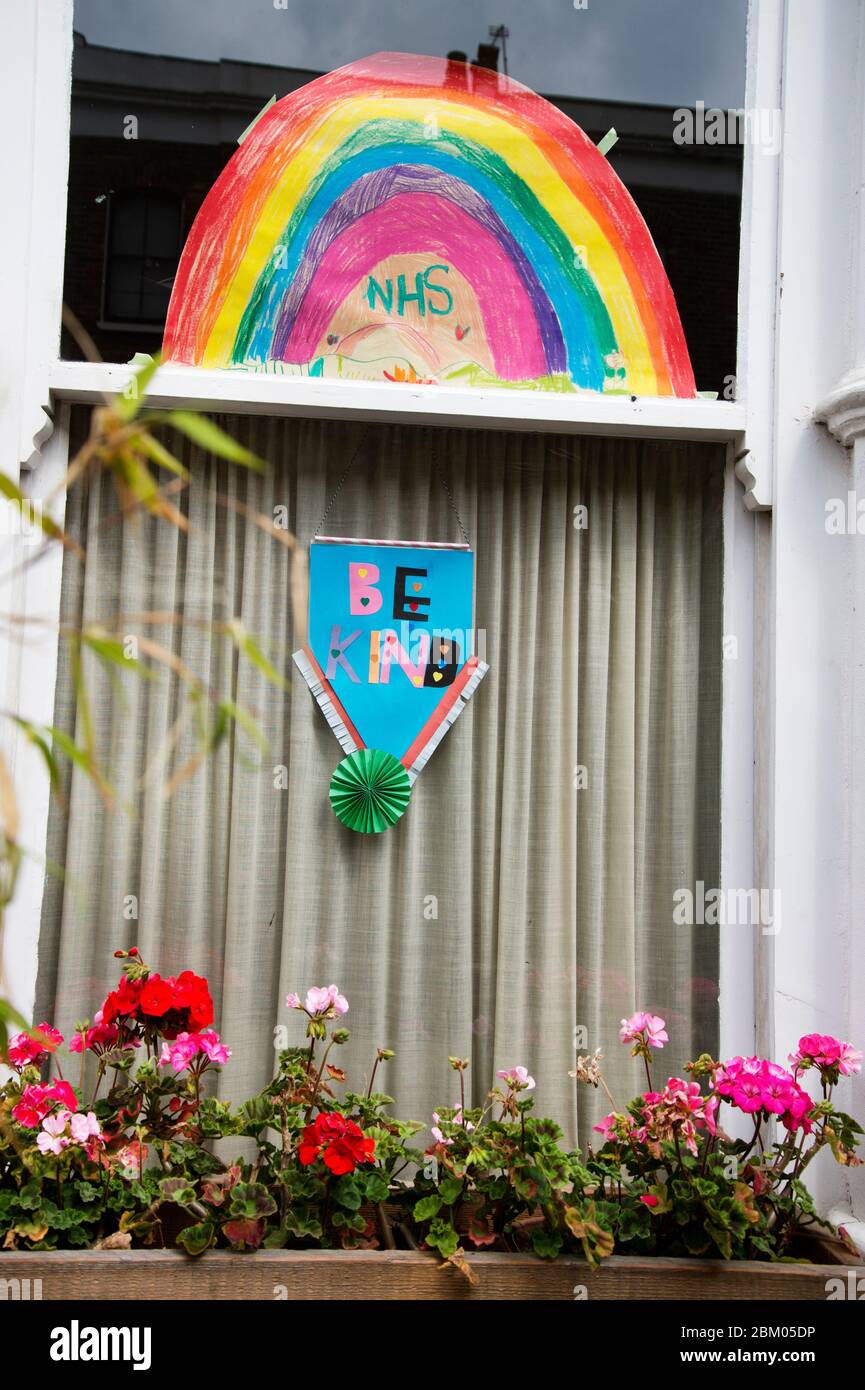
column 418, row 219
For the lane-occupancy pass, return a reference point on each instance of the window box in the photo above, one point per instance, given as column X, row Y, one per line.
column 324, row 1275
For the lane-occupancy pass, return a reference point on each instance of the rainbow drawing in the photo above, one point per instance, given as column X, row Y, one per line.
column 418, row 219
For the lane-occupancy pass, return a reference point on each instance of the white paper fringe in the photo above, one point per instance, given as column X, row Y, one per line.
column 325, row 704
column 347, row 743
column 448, row 722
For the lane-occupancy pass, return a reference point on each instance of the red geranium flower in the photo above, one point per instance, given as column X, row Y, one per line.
column 191, row 995
column 339, row 1141
column 122, row 1001
column 156, row 998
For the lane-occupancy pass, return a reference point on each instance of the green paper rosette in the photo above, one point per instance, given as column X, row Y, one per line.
column 369, row 790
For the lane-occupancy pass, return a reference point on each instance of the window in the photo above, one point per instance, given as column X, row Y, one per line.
column 141, row 257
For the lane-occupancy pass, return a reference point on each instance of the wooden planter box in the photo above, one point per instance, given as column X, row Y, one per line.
column 137, row 1275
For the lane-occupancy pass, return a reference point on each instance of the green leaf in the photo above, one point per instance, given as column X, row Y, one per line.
column 450, row 1189
column 30, row 1196
column 209, row 436
column 347, row 1193
column 376, row 1186
column 696, row 1242
column 229, row 710
column 441, row 1236
column 427, row 1207
column 245, row 643
column 39, row 741
column 110, row 652
column 196, row 1239
column 158, row 454
column 546, row 1244
column 177, row 1190
column 722, row 1239
column 251, row 1199
column 47, row 525
column 127, row 403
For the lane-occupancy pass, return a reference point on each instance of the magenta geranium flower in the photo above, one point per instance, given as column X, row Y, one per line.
column 213, row 1048
column 182, row 1050
column 37, row 1100
column 24, row 1050
column 757, row 1086
column 830, row 1054
column 608, row 1127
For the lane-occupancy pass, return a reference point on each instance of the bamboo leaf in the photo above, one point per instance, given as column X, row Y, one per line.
column 246, row 722
column 26, row 506
column 128, row 403
column 209, row 436
column 38, row 739
column 81, row 760
column 8, row 804
column 144, row 488
column 110, row 651
column 158, row 454
column 245, row 643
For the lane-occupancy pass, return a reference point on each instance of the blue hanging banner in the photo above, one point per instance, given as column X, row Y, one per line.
column 391, row 660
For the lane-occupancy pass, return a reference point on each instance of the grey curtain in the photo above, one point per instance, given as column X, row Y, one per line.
column 511, row 906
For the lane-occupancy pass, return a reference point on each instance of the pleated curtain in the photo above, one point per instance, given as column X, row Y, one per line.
column 524, row 903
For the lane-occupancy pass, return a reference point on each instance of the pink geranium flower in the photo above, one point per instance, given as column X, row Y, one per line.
column 179, row 1052
column 24, row 1050
column 457, row 1120
column 757, row 1086
column 831, row 1055
column 182, row 1050
column 37, row 1100
column 322, row 1001
column 517, row 1079
column 644, row 1028
column 83, row 1127
column 53, row 1138
column 608, row 1127
column 213, row 1048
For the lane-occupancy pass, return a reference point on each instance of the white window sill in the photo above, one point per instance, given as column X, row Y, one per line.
column 241, row 392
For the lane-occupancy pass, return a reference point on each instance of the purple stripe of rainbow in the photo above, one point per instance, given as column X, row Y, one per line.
column 376, row 188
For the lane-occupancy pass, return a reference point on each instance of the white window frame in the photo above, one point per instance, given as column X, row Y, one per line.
column 36, row 79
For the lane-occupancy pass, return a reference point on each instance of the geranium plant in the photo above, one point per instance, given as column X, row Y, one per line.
column 669, row 1180
column 123, row 1154
column 496, row 1177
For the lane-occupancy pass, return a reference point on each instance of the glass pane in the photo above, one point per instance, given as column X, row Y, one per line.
column 162, row 94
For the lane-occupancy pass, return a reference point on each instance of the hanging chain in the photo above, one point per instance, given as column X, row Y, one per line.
column 445, row 485
column 338, row 488
column 442, row 479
